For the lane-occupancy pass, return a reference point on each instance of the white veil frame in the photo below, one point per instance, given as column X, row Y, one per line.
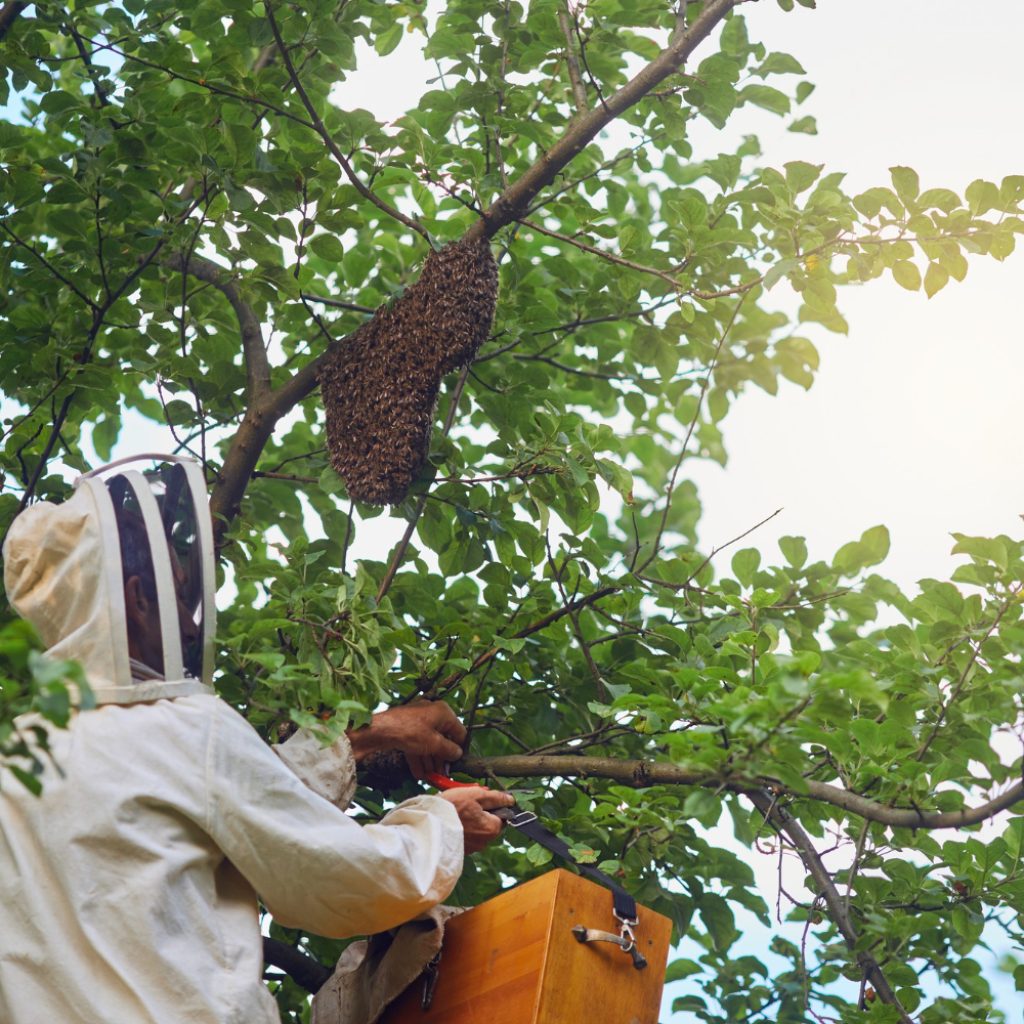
column 167, row 601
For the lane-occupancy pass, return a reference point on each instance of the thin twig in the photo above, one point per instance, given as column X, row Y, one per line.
column 572, row 65
column 49, row 266
column 960, row 683
column 655, row 550
column 332, row 147
column 403, row 544
column 337, row 303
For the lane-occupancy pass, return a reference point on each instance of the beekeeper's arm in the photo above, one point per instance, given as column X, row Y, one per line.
column 313, row 866
column 427, row 733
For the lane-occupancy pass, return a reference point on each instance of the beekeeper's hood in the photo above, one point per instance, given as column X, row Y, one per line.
column 64, row 572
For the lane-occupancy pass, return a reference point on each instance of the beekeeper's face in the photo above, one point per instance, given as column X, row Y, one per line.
column 145, row 643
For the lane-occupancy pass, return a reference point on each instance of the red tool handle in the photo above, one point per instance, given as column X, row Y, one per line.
column 443, row 782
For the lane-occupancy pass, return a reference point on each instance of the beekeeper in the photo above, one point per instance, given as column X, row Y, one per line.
column 128, row 890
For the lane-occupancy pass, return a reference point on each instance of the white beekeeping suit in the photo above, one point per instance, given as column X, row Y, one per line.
column 128, row 889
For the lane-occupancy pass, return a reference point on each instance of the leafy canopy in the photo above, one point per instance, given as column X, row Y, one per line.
column 188, row 221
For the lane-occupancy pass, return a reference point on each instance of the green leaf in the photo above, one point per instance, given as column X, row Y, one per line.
column 780, row 64
column 327, row 247
column 935, row 279
column 704, row 806
column 679, row 969
column 941, row 198
column 389, row 38
column 871, row 549
column 805, row 125
column 719, row 921
column 907, row 275
column 794, row 550
column 766, row 97
column 745, row 563
column 876, row 544
column 31, row 782
column 538, row 855
column 906, row 182
column 981, row 196
column 800, row 176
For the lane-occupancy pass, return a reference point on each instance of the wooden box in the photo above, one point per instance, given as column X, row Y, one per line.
column 515, row 960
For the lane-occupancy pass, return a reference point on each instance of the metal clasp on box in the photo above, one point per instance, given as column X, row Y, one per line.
column 625, row 940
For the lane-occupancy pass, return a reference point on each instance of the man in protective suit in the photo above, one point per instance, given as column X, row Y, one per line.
column 128, row 890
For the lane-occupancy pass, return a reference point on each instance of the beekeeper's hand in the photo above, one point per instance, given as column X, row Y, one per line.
column 427, row 732
column 479, row 828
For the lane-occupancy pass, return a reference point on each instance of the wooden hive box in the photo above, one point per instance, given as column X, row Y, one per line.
column 515, row 960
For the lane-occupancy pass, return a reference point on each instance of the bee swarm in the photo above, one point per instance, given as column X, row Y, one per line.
column 380, row 385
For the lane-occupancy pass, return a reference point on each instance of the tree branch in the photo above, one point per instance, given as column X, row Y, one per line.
column 337, row 303
column 491, row 653
column 512, row 204
column 90, row 67
column 201, row 83
column 781, row 819
column 329, row 142
column 49, row 266
column 9, row 14
column 304, row 970
column 650, row 773
column 579, row 92
column 611, row 257
column 257, row 366
column 971, row 661
column 260, row 418
column 403, row 545
column 656, row 548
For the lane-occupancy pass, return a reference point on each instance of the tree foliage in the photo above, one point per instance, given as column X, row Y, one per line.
column 194, row 211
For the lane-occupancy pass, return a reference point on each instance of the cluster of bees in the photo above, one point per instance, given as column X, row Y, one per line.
column 380, row 385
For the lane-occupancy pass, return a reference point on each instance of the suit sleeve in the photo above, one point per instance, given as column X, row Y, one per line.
column 329, row 771
column 313, row 866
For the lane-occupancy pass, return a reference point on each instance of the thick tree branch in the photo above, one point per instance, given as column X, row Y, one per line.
column 244, row 452
column 650, row 773
column 310, row 974
column 512, row 204
column 257, row 367
column 9, row 15
column 781, row 819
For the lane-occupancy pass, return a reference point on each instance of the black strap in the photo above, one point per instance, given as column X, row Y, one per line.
column 527, row 823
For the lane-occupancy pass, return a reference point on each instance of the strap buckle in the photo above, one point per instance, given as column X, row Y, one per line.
column 517, row 819
column 626, row 922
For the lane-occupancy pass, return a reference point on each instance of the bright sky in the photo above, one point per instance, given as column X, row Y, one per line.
column 914, row 418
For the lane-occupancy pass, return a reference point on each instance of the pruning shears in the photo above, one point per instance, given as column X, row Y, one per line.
column 444, row 782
